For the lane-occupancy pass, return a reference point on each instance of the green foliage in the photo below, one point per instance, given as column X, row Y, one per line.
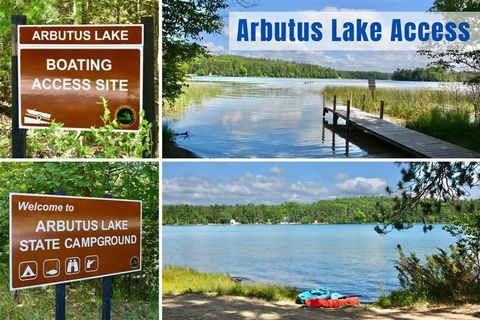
column 399, row 103
column 181, row 280
column 103, row 142
column 425, row 190
column 168, row 135
column 453, row 126
column 427, row 74
column 129, row 180
column 400, row 298
column 344, row 210
column 445, row 278
column 239, row 66
column 183, row 23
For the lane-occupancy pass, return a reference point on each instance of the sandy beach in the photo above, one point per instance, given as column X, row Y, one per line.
column 196, row 306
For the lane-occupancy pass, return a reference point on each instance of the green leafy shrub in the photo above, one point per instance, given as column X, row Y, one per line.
column 102, row 142
column 447, row 277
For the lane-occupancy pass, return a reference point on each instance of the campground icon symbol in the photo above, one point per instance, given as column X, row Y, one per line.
column 28, row 270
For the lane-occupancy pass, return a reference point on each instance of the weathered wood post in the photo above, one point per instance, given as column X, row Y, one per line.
column 324, row 108
column 382, row 105
column 363, row 102
column 19, row 140
column 335, row 117
column 351, row 97
column 348, row 115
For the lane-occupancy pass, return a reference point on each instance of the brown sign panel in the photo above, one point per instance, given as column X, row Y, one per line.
column 81, row 34
column 58, row 239
column 64, row 82
column 65, row 86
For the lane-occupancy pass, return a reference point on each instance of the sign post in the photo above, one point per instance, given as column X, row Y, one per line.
column 18, row 135
column 60, row 239
column 149, row 83
column 371, row 84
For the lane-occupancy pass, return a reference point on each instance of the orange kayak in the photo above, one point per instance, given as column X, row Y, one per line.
column 332, row 303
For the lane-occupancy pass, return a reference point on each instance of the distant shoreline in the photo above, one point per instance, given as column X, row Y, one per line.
column 286, row 224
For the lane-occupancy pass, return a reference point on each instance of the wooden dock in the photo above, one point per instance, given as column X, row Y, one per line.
column 411, row 141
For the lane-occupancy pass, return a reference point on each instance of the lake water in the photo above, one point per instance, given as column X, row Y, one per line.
column 350, row 259
column 276, row 117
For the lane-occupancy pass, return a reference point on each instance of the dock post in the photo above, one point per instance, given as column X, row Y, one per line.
column 324, row 108
column 351, row 97
column 363, row 102
column 335, row 117
column 382, row 105
column 348, row 115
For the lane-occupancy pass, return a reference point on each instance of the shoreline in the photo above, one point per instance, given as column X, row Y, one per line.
column 211, row 306
column 174, row 151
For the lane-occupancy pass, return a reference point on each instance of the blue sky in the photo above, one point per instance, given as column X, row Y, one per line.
column 273, row 182
column 386, row 61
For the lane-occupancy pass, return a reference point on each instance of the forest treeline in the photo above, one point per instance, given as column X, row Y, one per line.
column 238, row 66
column 345, row 210
column 428, row 74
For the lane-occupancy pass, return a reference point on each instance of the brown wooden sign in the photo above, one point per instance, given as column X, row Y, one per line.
column 58, row 239
column 65, row 70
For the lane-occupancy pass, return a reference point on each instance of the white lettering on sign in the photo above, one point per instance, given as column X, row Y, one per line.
column 111, row 84
column 80, row 35
column 66, row 225
column 115, row 225
column 111, row 35
column 63, row 35
column 79, row 64
column 28, row 206
column 61, row 84
column 39, row 244
column 88, row 242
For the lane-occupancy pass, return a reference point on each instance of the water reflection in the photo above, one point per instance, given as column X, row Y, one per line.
column 259, row 117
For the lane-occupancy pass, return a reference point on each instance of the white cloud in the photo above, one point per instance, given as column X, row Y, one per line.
column 213, row 48
column 363, row 186
column 341, row 176
column 276, row 170
column 272, row 187
column 336, row 9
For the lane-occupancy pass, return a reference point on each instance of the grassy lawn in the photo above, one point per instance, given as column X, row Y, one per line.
column 181, row 280
column 83, row 302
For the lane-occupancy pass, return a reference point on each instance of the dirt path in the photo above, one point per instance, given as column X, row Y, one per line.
column 193, row 306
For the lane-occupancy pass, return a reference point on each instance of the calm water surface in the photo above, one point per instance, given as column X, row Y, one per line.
column 272, row 117
column 350, row 259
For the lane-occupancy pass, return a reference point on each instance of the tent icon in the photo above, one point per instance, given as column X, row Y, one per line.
column 28, row 270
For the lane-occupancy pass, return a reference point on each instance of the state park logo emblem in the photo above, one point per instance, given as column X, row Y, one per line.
column 125, row 116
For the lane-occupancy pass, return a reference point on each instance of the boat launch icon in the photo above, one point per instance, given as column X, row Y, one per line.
column 36, row 117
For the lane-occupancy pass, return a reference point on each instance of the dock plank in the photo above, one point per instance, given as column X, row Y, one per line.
column 414, row 142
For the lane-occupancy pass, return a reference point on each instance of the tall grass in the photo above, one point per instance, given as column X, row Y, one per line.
column 454, row 126
column 405, row 104
column 83, row 302
column 193, row 94
column 181, row 280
